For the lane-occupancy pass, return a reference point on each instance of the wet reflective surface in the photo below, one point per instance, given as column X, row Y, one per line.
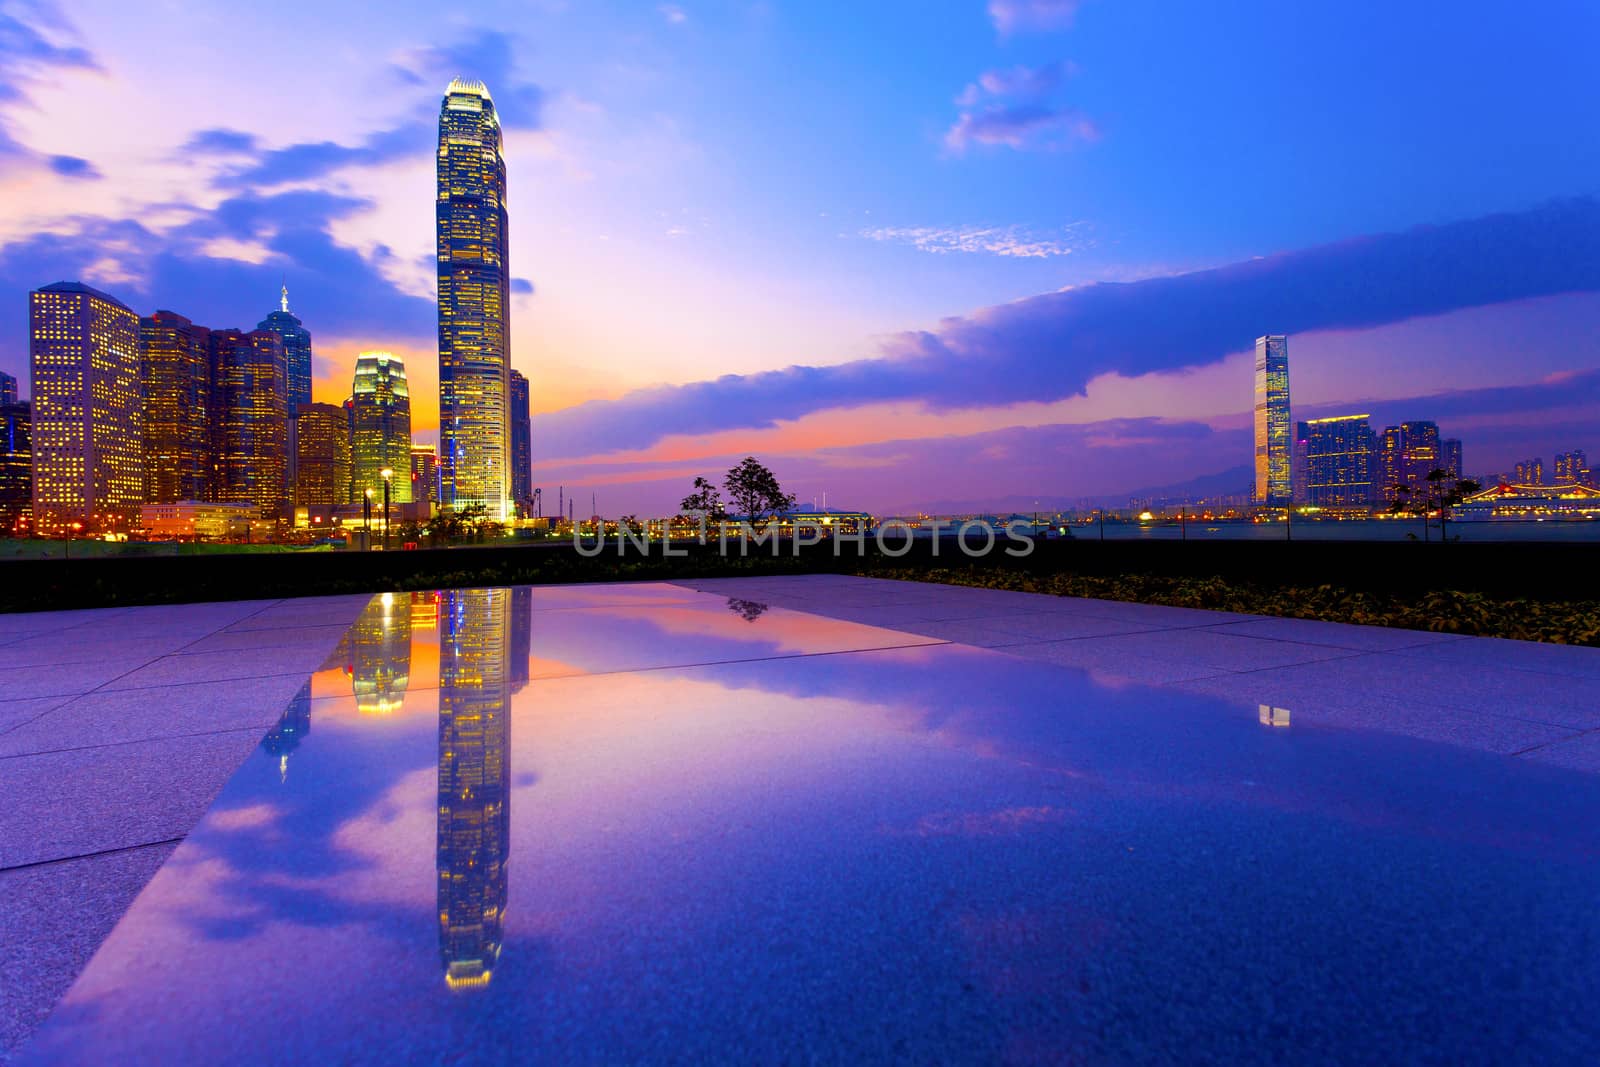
column 639, row 823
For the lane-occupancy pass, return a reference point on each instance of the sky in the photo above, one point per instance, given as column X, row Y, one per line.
column 950, row 256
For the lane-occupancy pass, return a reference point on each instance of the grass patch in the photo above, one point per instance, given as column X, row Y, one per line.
column 1575, row 622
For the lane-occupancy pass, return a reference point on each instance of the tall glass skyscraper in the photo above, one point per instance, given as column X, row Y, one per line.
column 250, row 420
column 474, row 300
column 1274, row 440
column 521, row 444
column 380, row 427
column 296, row 351
column 175, row 376
column 88, row 422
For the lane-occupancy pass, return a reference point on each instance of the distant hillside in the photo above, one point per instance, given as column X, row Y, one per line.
column 1234, row 480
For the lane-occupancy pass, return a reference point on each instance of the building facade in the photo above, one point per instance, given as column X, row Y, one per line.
column 1407, row 454
column 521, row 445
column 1339, row 460
column 8, row 388
column 296, row 352
column 1573, row 468
column 473, row 245
column 1273, row 435
column 1530, row 472
column 424, row 474
column 322, row 467
column 380, row 427
column 87, row 419
column 175, row 377
column 16, row 467
column 250, row 421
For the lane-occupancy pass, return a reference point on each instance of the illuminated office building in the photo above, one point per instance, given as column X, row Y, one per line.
column 1573, row 468
column 474, row 829
column 1450, row 457
column 424, row 474
column 1407, row 454
column 521, row 445
column 1339, row 461
column 87, row 428
column 322, row 467
column 8, row 388
column 380, row 427
column 474, row 304
column 1274, row 480
column 16, row 467
column 250, row 421
column 175, row 377
column 296, row 351
column 380, row 655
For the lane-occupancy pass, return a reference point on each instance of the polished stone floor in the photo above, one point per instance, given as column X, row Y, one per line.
column 817, row 818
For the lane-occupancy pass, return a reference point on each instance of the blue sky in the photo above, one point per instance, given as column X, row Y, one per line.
column 819, row 198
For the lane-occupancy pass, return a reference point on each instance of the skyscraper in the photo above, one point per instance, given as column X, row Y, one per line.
column 1450, row 457
column 1273, row 437
column 473, row 247
column 1407, row 454
column 322, row 472
column 87, row 431
column 521, row 444
column 296, row 351
column 175, row 377
column 1572, row 468
column 250, row 420
column 424, row 474
column 16, row 466
column 380, row 427
column 8, row 388
column 1339, row 461
column 474, row 827
column 1530, row 472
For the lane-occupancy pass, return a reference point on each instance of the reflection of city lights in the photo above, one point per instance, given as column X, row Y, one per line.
column 1271, row 716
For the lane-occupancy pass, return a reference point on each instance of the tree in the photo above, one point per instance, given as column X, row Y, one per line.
column 1446, row 492
column 755, row 491
column 706, row 499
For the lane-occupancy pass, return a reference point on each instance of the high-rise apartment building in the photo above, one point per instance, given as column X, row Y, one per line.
column 1530, row 472
column 16, row 467
column 1339, row 461
column 8, row 388
column 424, row 474
column 1274, row 441
column 175, row 378
column 296, row 351
column 1572, row 468
column 322, row 468
column 1407, row 454
column 250, row 420
column 87, row 419
column 380, row 427
column 521, row 445
column 1450, row 458
column 473, row 245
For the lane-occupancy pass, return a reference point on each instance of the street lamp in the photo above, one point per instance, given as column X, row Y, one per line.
column 366, row 520
column 388, row 476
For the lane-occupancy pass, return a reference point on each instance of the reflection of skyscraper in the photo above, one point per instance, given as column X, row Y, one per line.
column 517, row 666
column 474, row 782
column 380, row 655
column 473, row 246
column 293, row 725
column 1273, row 435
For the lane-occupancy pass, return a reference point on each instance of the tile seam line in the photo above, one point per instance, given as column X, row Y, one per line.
column 136, row 741
column 92, row 855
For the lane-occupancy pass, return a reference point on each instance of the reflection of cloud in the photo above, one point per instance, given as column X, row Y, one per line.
column 1014, row 16
column 1020, row 126
column 1012, row 241
column 983, row 823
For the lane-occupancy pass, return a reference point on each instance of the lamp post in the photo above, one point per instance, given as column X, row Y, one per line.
column 388, row 477
column 366, row 521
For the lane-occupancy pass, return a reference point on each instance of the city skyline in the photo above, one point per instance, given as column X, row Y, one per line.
column 1112, row 334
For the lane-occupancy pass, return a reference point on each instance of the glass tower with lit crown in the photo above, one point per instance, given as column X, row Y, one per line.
column 88, row 421
column 296, row 351
column 1274, row 439
column 474, row 827
column 380, row 427
column 474, row 301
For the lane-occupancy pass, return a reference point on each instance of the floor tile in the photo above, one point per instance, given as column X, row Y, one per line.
column 239, row 664
column 1576, row 661
column 1109, row 665
column 1581, row 753
column 1211, row 649
column 15, row 713
column 1336, row 634
column 66, row 679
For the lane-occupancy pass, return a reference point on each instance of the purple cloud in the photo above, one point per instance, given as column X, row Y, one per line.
column 490, row 57
column 1014, row 16
column 26, row 54
column 221, row 142
column 1049, row 347
column 74, row 167
column 1020, row 126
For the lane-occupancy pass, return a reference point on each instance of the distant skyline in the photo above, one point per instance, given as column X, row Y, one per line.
column 1020, row 249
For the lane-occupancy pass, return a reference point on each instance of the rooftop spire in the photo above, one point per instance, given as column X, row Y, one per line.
column 283, row 300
